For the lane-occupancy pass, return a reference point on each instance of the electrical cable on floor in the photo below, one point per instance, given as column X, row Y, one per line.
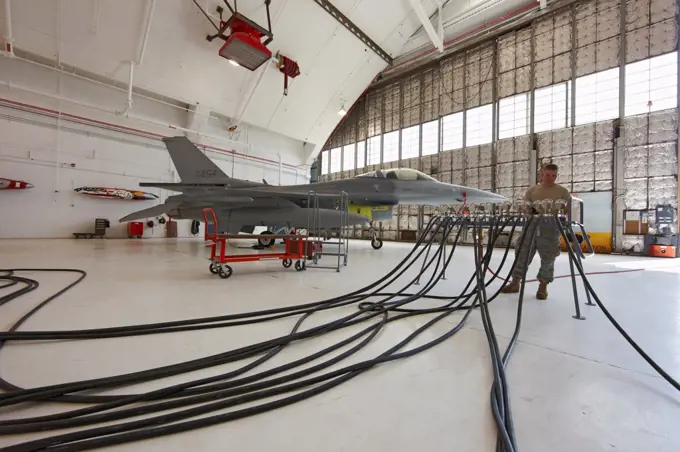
column 248, row 391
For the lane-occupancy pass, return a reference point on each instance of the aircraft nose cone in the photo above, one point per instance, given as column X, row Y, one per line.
column 29, row 185
column 474, row 195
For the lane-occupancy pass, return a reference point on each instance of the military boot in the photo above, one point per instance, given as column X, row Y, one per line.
column 512, row 286
column 542, row 292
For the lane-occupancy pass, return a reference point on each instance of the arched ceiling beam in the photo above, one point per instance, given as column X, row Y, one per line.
column 356, row 31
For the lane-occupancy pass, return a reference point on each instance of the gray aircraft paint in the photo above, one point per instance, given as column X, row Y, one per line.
column 239, row 205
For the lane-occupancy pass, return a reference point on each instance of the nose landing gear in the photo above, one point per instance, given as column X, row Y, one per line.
column 376, row 242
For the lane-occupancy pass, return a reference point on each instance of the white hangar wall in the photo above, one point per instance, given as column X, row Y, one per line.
column 60, row 132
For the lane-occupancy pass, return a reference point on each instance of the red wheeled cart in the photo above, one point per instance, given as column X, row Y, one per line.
column 219, row 260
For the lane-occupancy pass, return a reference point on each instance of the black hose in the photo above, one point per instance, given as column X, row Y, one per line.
column 197, row 392
column 175, row 408
column 572, row 256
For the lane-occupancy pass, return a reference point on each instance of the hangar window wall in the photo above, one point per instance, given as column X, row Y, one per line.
column 577, row 87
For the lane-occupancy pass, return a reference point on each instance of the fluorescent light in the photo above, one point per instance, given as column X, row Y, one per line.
column 234, row 63
column 342, row 111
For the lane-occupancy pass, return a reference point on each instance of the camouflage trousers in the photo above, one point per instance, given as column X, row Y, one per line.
column 543, row 235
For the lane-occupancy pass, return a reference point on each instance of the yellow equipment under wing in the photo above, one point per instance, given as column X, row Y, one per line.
column 367, row 211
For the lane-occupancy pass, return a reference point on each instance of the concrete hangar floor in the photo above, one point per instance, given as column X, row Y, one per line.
column 573, row 385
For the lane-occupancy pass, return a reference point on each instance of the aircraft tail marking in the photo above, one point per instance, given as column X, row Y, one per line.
column 193, row 166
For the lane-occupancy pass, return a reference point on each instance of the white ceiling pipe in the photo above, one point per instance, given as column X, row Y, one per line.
column 11, row 86
column 128, row 103
column 59, row 21
column 107, row 85
column 150, row 5
column 9, row 37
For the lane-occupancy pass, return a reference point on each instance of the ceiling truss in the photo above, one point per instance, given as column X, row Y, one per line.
column 356, row 31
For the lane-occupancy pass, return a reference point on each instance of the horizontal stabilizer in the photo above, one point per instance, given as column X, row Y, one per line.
column 154, row 211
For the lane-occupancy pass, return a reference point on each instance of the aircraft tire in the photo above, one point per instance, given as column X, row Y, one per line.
column 376, row 243
column 266, row 242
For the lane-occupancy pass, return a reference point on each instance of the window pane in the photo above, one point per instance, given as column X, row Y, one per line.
column 410, row 142
column 651, row 84
column 452, row 131
column 597, row 96
column 430, row 138
column 361, row 154
column 373, row 150
column 513, row 117
column 551, row 107
column 336, row 160
column 325, row 156
column 478, row 125
column 348, row 156
column 391, row 147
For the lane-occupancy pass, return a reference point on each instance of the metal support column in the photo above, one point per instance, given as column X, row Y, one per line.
column 494, row 117
column 382, row 127
column 618, row 188
column 464, row 143
column 533, row 152
column 420, row 141
column 677, row 109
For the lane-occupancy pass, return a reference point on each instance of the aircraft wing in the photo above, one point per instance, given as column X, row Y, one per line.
column 301, row 193
column 154, row 211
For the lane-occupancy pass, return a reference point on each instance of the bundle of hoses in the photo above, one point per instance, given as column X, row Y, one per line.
column 245, row 392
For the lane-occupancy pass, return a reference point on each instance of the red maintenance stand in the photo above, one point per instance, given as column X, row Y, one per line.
column 219, row 260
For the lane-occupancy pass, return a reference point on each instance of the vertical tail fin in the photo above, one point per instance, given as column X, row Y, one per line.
column 193, row 167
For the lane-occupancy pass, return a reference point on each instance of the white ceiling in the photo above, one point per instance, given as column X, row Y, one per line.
column 102, row 36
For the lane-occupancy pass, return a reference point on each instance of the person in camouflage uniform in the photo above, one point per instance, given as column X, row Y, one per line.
column 543, row 234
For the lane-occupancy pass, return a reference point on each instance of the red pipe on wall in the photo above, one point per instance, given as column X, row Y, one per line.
column 125, row 129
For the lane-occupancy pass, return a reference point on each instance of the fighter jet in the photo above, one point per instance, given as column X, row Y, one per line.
column 241, row 205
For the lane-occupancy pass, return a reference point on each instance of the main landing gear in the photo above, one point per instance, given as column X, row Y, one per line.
column 264, row 241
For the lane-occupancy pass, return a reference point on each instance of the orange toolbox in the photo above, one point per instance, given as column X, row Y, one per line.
column 661, row 251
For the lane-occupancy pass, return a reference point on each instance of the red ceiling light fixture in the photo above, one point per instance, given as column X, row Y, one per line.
column 243, row 45
column 289, row 68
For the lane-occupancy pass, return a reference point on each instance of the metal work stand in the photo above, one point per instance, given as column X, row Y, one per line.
column 315, row 231
column 576, row 246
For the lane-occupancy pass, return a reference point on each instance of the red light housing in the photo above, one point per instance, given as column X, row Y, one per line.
column 244, row 46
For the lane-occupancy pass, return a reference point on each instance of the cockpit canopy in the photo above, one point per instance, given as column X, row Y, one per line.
column 398, row 174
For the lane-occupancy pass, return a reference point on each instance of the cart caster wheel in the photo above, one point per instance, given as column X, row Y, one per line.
column 225, row 272
column 214, row 269
column 376, row 244
column 287, row 263
column 299, row 266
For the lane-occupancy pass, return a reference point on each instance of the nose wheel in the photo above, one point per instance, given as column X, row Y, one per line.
column 376, row 242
